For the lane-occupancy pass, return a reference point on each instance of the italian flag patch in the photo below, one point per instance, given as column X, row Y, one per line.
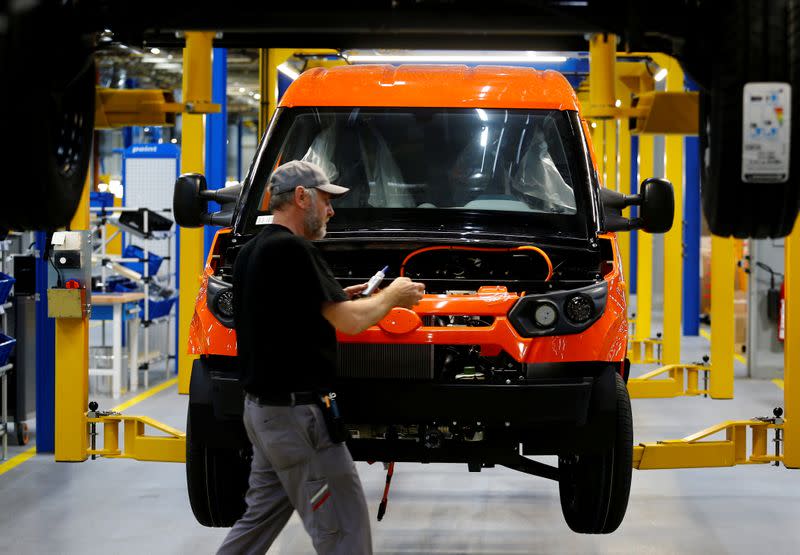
column 320, row 497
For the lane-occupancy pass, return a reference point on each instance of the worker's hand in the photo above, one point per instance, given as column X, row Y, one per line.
column 404, row 292
column 354, row 290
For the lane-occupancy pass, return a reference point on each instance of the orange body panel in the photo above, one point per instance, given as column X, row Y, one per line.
column 427, row 86
column 605, row 340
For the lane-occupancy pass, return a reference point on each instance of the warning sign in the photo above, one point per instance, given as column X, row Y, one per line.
column 766, row 132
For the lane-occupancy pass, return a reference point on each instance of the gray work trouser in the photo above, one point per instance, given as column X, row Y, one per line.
column 296, row 466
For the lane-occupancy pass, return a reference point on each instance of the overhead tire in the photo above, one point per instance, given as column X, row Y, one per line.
column 216, row 478
column 50, row 114
column 759, row 43
column 594, row 488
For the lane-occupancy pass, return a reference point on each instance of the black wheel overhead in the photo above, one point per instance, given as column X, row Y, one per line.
column 217, row 477
column 594, row 488
column 49, row 97
column 758, row 42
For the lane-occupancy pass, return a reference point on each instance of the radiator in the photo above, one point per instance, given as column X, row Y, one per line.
column 410, row 362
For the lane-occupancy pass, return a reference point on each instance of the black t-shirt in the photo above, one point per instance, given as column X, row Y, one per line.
column 280, row 281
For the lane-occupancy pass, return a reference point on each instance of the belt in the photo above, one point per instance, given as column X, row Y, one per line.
column 285, row 399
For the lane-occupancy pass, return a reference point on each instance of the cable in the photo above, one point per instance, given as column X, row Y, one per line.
column 485, row 249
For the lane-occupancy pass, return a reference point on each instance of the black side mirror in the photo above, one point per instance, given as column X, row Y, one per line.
column 190, row 202
column 656, row 204
column 657, row 208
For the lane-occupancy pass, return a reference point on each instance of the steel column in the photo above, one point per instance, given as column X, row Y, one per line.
column 791, row 376
column 217, row 137
column 634, row 241
column 45, row 355
column 602, row 75
column 722, row 318
column 268, row 62
column 644, row 257
column 624, row 186
column 673, row 240
column 691, row 240
column 196, row 89
column 72, row 367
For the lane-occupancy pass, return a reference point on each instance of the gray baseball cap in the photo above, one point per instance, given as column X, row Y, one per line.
column 298, row 172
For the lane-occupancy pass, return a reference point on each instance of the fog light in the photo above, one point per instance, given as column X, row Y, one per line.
column 545, row 315
column 225, row 303
column 579, row 309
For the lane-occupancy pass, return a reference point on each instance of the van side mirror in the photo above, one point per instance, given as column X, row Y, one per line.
column 190, row 202
column 656, row 202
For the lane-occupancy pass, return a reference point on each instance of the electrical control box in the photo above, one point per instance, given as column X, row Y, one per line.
column 70, row 275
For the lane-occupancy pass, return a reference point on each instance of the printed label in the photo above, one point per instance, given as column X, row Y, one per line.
column 766, row 127
column 264, row 220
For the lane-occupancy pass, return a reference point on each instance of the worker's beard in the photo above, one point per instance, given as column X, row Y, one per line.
column 315, row 225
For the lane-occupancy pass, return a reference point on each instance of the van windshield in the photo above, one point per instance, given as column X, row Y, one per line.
column 514, row 163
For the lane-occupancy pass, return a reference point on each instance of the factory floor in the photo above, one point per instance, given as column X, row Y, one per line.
column 123, row 506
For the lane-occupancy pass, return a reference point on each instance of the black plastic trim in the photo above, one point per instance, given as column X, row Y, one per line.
column 216, row 287
column 521, row 314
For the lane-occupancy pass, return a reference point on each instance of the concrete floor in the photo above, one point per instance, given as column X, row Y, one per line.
column 119, row 506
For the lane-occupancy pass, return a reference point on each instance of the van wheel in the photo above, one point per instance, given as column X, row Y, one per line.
column 217, row 479
column 760, row 43
column 594, row 489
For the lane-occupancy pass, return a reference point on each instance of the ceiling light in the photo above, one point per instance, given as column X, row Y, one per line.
column 155, row 51
column 257, row 96
column 173, row 141
column 659, row 76
column 242, row 90
column 288, row 71
column 618, row 103
column 511, row 57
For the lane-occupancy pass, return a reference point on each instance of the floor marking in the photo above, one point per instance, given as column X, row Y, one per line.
column 24, row 456
column 17, row 460
column 142, row 396
column 778, row 382
column 737, row 356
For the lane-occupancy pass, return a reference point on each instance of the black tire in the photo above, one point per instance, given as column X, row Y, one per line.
column 216, row 479
column 755, row 44
column 49, row 113
column 594, row 489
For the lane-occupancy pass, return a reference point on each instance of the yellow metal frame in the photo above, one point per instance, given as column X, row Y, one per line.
column 124, row 107
column 196, row 92
column 696, row 451
column 136, row 443
column 645, row 351
column 679, row 380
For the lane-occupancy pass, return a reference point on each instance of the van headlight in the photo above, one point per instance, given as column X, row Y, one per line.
column 559, row 312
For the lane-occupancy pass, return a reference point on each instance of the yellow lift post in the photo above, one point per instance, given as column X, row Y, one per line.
column 197, row 97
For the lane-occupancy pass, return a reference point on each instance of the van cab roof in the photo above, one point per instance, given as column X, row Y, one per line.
column 441, row 86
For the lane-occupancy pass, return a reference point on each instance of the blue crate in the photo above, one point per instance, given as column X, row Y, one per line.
column 6, row 346
column 6, row 282
column 132, row 251
column 116, row 285
column 158, row 308
column 101, row 200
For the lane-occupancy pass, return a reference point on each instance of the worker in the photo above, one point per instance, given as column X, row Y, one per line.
column 287, row 306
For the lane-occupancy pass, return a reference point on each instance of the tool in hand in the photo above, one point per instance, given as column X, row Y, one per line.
column 374, row 282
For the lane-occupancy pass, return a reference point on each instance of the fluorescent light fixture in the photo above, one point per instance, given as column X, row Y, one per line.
column 288, row 71
column 168, row 66
column 155, row 51
column 660, row 74
column 511, row 57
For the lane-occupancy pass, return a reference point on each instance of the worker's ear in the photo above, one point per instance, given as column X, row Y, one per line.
column 300, row 194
